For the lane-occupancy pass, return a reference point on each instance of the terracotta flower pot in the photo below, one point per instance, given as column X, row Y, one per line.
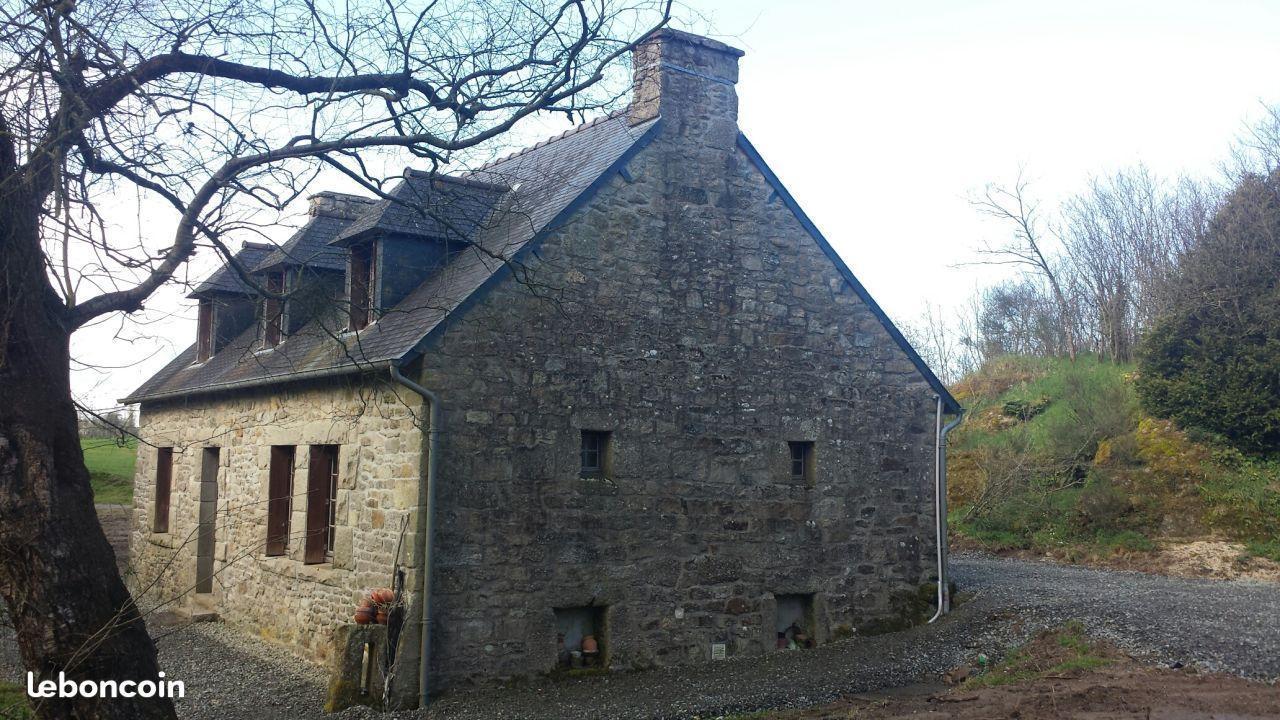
column 589, row 644
column 382, row 617
column 364, row 615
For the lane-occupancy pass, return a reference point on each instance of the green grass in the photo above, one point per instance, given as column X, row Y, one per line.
column 1269, row 550
column 1076, row 401
column 110, row 469
column 1057, row 456
column 1054, row 652
column 13, row 702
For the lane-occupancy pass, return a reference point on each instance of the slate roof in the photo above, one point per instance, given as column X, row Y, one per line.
column 226, row 280
column 509, row 202
column 501, row 207
column 310, row 245
column 439, row 206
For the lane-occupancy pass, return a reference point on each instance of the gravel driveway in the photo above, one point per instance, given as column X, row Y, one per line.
column 1228, row 626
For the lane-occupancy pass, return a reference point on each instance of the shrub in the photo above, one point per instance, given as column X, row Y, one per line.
column 1213, row 360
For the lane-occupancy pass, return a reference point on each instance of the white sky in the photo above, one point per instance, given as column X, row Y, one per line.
column 881, row 117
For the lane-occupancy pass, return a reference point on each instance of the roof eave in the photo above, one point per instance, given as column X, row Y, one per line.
column 258, row 382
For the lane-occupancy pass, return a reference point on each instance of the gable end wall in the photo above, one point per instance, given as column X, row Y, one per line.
column 692, row 316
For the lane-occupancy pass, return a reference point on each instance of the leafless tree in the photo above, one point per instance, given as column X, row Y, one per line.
column 1122, row 239
column 218, row 114
column 1027, row 249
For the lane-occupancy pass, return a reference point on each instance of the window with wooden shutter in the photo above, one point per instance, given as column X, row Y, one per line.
column 204, row 331
column 364, row 262
column 279, row 499
column 322, row 493
column 273, row 312
column 164, row 482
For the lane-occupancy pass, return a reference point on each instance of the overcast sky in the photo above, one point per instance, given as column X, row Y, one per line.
column 882, row 117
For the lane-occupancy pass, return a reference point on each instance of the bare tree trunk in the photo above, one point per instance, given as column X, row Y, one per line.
column 58, row 574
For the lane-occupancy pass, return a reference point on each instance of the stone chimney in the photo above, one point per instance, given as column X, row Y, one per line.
column 688, row 80
column 338, row 205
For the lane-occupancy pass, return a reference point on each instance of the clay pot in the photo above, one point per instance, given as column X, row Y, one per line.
column 589, row 644
column 383, row 596
column 382, row 616
column 364, row 615
column 365, row 603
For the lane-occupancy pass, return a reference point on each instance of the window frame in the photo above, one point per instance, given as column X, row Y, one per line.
column 204, row 330
column 163, row 490
column 362, row 285
column 602, row 445
column 273, row 311
column 805, row 461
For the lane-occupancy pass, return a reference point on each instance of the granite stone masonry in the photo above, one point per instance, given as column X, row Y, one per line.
column 679, row 409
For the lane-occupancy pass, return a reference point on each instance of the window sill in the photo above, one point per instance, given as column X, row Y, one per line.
column 351, row 333
column 164, row 540
column 287, row 566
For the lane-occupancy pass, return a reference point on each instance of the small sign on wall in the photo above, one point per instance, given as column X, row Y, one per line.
column 718, row 651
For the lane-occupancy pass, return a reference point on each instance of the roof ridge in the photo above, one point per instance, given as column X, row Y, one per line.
column 349, row 196
column 459, row 179
column 554, row 138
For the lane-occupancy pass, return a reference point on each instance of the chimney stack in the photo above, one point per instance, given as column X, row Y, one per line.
column 338, row 205
column 688, row 80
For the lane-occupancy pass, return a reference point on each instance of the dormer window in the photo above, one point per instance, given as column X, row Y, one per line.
column 204, row 331
column 362, row 285
column 273, row 311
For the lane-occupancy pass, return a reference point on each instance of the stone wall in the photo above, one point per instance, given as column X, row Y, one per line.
column 280, row 598
column 694, row 318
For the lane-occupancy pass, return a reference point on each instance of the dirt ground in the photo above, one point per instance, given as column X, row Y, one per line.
column 1052, row 678
column 1206, row 558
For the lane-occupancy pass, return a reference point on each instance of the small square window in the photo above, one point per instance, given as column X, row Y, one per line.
column 801, row 460
column 595, row 453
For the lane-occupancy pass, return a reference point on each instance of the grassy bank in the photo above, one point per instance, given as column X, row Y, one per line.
column 13, row 702
column 1057, row 456
column 110, row 469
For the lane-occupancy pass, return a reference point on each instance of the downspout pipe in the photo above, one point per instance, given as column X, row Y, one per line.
column 433, row 444
column 940, row 506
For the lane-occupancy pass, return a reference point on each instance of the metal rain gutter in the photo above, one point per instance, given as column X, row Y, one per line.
column 433, row 436
column 940, row 506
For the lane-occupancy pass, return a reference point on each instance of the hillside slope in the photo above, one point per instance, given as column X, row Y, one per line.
column 1058, row 457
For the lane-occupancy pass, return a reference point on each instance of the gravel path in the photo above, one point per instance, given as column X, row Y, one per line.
column 1228, row 626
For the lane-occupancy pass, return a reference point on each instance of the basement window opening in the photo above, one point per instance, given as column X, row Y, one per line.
column 594, row 455
column 802, row 460
column 582, row 637
column 794, row 621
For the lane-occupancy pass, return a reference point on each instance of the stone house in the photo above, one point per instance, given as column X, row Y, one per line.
column 666, row 414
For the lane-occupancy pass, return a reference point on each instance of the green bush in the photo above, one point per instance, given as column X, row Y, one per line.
column 1212, row 361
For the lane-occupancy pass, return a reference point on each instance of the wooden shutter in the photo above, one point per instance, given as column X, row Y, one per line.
column 164, row 482
column 273, row 311
column 204, row 331
column 363, row 261
column 279, row 497
column 320, row 473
